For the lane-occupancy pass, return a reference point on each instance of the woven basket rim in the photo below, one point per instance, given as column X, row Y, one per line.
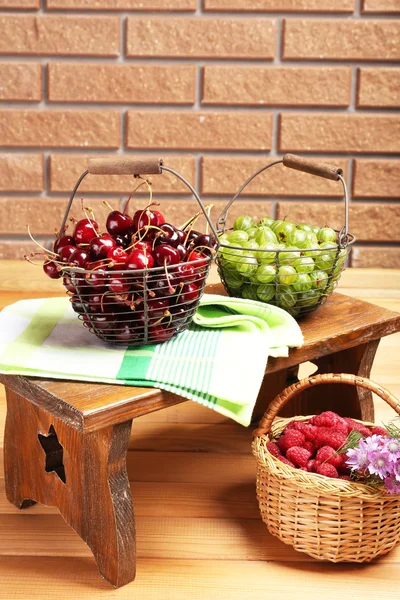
column 304, row 479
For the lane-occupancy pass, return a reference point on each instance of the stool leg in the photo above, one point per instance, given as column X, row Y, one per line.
column 82, row 474
column 108, row 525
column 16, row 461
column 346, row 400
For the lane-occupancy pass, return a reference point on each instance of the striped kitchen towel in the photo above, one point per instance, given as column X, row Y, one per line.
column 219, row 361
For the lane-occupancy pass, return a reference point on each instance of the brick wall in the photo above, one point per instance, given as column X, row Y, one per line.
column 215, row 87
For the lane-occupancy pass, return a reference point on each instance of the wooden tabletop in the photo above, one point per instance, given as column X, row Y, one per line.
column 343, row 322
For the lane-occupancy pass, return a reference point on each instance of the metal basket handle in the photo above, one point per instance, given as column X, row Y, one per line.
column 307, row 166
column 290, row 392
column 135, row 166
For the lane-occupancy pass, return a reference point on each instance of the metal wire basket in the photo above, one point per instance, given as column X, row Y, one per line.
column 260, row 273
column 139, row 306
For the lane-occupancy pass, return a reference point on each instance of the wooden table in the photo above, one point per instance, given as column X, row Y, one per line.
column 66, row 443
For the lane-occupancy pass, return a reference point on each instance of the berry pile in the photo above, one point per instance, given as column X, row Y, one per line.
column 312, row 446
column 138, row 281
column 295, row 266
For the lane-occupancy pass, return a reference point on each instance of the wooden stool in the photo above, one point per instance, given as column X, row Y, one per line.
column 65, row 443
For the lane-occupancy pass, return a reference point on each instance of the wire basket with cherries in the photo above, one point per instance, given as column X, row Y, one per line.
column 140, row 279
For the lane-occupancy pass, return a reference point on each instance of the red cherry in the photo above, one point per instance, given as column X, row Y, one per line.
column 143, row 245
column 65, row 240
column 144, row 218
column 69, row 285
column 160, row 218
column 118, row 256
column 96, row 279
column 186, row 273
column 79, row 258
column 66, row 252
column 190, row 293
column 194, row 255
column 118, row 223
column 159, row 333
column 103, row 321
column 52, row 270
column 166, row 254
column 158, row 306
column 99, row 246
column 85, row 231
column 122, row 240
column 139, row 259
column 118, row 285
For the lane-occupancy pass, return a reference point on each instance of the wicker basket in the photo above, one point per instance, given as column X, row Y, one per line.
column 329, row 519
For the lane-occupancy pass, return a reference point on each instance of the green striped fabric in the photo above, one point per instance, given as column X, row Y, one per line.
column 219, row 361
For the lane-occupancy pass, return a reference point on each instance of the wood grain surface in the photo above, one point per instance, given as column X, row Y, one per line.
column 201, row 506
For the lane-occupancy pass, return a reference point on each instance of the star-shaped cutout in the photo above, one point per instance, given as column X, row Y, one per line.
column 54, row 453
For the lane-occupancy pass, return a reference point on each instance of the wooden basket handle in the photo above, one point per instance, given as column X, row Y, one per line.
column 125, row 165
column 283, row 398
column 310, row 166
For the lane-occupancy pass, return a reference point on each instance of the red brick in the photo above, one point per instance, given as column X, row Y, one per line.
column 226, row 175
column 127, row 83
column 199, row 130
column 376, row 178
column 201, row 38
column 21, row 172
column 52, row 128
column 322, row 6
column 328, row 132
column 178, row 211
column 378, row 87
column 285, row 86
column 20, row 4
column 66, row 168
column 16, row 249
column 329, row 39
column 131, row 5
column 61, row 34
column 21, row 82
column 380, row 6
column 43, row 215
column 378, row 257
column 368, row 222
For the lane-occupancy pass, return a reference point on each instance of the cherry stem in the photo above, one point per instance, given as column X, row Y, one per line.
column 170, row 288
column 108, row 205
column 39, row 245
column 86, row 212
column 180, row 292
column 146, row 229
column 189, row 221
column 134, row 191
column 166, row 314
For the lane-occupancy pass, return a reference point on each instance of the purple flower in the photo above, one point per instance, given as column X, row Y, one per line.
column 358, row 457
column 379, row 464
column 392, row 447
column 392, row 486
column 396, row 470
column 374, row 443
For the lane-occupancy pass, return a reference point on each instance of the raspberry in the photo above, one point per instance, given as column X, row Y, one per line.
column 325, row 419
column 310, row 465
column 345, row 477
column 299, row 456
column 306, row 429
column 285, row 460
column 327, row 436
column 327, row 470
column 379, row 431
column 290, row 438
column 354, row 425
column 326, row 454
column 310, row 446
column 273, row 449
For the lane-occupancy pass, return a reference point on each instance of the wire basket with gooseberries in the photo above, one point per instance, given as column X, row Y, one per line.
column 293, row 266
column 140, row 280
